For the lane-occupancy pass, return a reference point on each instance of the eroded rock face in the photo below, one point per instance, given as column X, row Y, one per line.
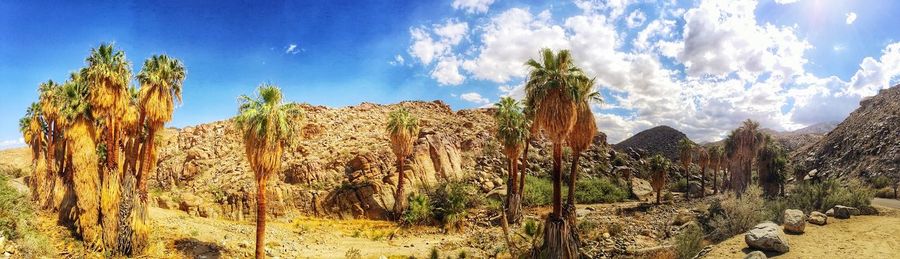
column 794, row 221
column 642, row 189
column 767, row 236
column 818, row 218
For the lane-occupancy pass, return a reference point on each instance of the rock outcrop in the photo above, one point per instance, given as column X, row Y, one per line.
column 767, row 236
column 866, row 144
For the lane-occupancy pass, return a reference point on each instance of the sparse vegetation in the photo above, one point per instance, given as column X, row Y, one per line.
column 451, row 201
column 732, row 215
column 538, row 191
column 419, row 211
column 689, row 242
column 824, row 195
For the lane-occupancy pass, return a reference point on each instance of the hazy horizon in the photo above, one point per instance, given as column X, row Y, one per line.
column 700, row 67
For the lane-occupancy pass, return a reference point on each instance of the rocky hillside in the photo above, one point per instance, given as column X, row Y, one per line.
column 659, row 139
column 340, row 163
column 866, row 144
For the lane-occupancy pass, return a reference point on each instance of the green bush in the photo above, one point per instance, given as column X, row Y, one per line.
column 689, row 242
column 419, row 211
column 451, row 201
column 731, row 215
column 16, row 219
column 881, row 181
column 680, row 185
column 886, row 192
column 531, row 227
column 599, row 190
column 539, row 191
column 825, row 195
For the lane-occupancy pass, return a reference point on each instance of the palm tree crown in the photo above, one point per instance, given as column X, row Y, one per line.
column 512, row 127
column 266, row 130
column 402, row 127
column 161, row 81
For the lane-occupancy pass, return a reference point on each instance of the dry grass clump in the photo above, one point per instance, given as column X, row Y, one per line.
column 733, row 215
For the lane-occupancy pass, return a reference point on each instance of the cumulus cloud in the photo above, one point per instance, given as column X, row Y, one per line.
column 472, row 6
column 851, row 17
column 636, row 19
column 398, row 61
column 702, row 77
column 475, row 98
column 786, row 1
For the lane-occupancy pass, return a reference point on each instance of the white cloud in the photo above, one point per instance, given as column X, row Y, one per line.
column 475, row 98
column 398, row 61
column 12, row 143
column 703, row 78
column 851, row 17
column 292, row 49
column 636, row 19
column 472, row 6
column 446, row 72
column 786, row 1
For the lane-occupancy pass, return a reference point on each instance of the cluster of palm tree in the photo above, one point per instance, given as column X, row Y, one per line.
column 742, row 146
column 558, row 94
column 773, row 167
column 685, row 154
column 92, row 143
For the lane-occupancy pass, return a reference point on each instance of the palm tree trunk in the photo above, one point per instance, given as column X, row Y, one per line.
column 398, row 195
column 147, row 151
column 557, row 168
column 261, row 218
column 703, row 180
column 513, row 199
column 524, row 166
column 687, row 181
column 573, row 174
column 715, row 175
column 658, row 195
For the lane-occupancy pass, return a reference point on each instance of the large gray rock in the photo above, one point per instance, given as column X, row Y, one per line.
column 768, row 237
column 794, row 221
column 844, row 212
column 641, row 189
column 818, row 218
column 756, row 255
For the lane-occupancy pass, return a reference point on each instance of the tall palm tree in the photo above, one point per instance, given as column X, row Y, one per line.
column 49, row 113
column 108, row 75
column 685, row 148
column 715, row 155
column 264, row 122
column 582, row 134
column 743, row 145
column 658, row 167
column 32, row 129
column 702, row 160
column 81, row 139
column 772, row 167
column 552, row 86
column 512, row 130
column 402, row 129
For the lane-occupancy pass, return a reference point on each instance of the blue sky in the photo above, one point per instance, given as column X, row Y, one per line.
column 785, row 64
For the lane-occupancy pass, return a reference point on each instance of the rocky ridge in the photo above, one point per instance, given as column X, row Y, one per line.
column 660, row 139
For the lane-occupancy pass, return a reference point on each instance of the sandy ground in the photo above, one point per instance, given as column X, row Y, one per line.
column 857, row 237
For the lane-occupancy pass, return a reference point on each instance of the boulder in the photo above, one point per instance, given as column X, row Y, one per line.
column 694, row 188
column 164, row 202
column 756, row 255
column 794, row 221
column 830, row 212
column 818, row 218
column 190, row 203
column 641, row 189
column 767, row 236
column 844, row 212
column 683, row 216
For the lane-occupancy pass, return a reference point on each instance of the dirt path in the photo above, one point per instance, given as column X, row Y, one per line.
column 857, row 237
column 890, row 203
column 196, row 237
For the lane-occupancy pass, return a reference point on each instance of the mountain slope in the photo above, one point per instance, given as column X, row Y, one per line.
column 659, row 139
column 866, row 144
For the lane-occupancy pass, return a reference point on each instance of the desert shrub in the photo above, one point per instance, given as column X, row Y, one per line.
column 776, row 209
column 16, row 221
column 824, row 195
column 680, row 185
column 615, row 228
column 419, row 211
column 886, row 192
column 881, row 181
column 434, row 253
column 538, row 191
column 451, row 201
column 732, row 215
column 352, row 253
column 531, row 227
column 689, row 242
column 599, row 190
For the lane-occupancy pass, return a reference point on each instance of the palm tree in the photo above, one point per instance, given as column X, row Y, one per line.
column 49, row 113
column 511, row 132
column 402, row 129
column 582, row 135
column 658, row 167
column 264, row 123
column 32, row 129
column 108, row 75
column 772, row 168
column 743, row 145
column 703, row 161
column 81, row 136
column 715, row 155
column 552, row 86
column 685, row 148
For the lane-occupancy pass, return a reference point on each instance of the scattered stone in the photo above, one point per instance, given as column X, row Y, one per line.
column 830, row 212
column 844, row 212
column 794, row 221
column 683, row 216
column 818, row 218
column 768, row 237
column 756, row 255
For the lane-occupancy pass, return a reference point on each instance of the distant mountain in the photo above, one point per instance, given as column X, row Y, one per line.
column 660, row 139
column 818, row 128
column 865, row 144
column 793, row 140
